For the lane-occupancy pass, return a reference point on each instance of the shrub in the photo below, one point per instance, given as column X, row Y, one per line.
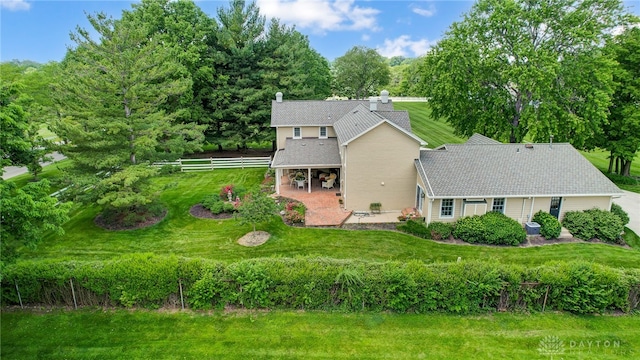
column 214, row 204
column 550, row 227
column 169, row 169
column 491, row 228
column 618, row 211
column 579, row 224
column 502, row 230
column 325, row 284
column 607, row 226
column 594, row 223
column 210, row 201
column 294, row 212
column 439, row 230
column 414, row 227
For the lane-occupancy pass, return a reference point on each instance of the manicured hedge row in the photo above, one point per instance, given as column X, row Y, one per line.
column 325, row 284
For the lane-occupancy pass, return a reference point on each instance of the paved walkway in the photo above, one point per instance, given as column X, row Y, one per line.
column 630, row 202
column 323, row 208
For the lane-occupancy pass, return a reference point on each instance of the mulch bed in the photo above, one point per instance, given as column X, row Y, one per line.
column 99, row 221
column 200, row 212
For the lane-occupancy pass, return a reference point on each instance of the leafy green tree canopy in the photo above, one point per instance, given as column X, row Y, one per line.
column 360, row 72
column 513, row 68
column 622, row 132
column 256, row 208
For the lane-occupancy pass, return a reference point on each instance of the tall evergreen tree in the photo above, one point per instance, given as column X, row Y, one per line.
column 238, row 102
column 118, row 113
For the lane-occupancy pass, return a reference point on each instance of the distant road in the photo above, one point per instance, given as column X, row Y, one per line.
column 11, row 171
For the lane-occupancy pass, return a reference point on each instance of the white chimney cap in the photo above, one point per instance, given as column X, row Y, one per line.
column 279, row 97
column 384, row 96
column 373, row 104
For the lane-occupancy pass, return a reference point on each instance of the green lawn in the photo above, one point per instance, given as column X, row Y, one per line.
column 434, row 132
column 50, row 172
column 313, row 335
column 184, row 235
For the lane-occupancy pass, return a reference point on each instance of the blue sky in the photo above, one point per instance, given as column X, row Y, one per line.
column 39, row 30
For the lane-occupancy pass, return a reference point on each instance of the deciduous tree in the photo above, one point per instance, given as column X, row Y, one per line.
column 622, row 132
column 513, row 68
column 360, row 73
column 256, row 208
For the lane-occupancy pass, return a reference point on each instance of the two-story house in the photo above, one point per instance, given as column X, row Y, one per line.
column 375, row 158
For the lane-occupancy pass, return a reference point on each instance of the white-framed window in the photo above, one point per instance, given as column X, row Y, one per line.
column 498, row 205
column 323, row 132
column 297, row 133
column 446, row 208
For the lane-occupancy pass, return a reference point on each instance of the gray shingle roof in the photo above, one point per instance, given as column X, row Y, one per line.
column 477, row 139
column 398, row 117
column 356, row 122
column 316, row 112
column 503, row 170
column 307, row 152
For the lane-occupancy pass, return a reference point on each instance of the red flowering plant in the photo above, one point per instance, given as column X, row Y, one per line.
column 294, row 212
column 226, row 193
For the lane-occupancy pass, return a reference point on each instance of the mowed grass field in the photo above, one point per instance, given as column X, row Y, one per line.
column 141, row 334
column 184, row 235
column 434, row 132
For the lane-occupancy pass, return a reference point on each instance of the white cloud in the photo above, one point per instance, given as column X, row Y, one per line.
column 428, row 12
column 321, row 15
column 366, row 37
column 15, row 5
column 402, row 45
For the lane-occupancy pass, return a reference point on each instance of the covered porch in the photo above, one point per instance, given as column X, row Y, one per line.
column 308, row 165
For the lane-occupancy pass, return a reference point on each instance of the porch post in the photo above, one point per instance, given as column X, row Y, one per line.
column 278, row 179
column 309, row 177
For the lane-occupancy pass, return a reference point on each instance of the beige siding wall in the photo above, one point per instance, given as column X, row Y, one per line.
column 584, row 203
column 514, row 207
column 435, row 211
column 282, row 133
column 383, row 155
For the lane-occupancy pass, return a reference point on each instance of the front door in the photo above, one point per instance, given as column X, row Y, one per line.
column 554, row 209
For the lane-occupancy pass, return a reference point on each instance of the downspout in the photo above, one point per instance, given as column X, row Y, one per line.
column 533, row 200
column 309, row 177
column 429, row 210
column 524, row 202
column 343, row 178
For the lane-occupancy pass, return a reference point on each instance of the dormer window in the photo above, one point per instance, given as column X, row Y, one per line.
column 297, row 133
column 323, row 132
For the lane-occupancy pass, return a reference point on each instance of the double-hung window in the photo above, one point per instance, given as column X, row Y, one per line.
column 297, row 133
column 498, row 205
column 446, row 208
column 323, row 132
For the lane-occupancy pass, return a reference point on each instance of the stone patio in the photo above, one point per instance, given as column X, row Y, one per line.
column 323, row 207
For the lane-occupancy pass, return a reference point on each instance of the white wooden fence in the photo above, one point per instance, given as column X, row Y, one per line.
column 217, row 163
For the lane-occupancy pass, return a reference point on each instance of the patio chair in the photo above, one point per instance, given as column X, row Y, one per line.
column 328, row 184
